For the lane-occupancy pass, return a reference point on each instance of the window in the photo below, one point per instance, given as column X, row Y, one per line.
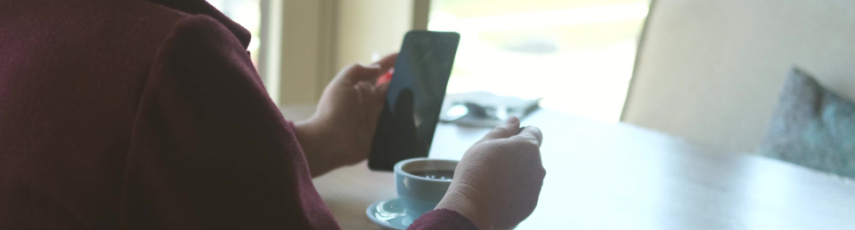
column 262, row 18
column 247, row 13
column 575, row 54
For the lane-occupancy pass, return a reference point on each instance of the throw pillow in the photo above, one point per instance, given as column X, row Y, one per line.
column 812, row 127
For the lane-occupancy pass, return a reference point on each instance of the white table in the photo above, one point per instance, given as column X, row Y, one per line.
column 618, row 176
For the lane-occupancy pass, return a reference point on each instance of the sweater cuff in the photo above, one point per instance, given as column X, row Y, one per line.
column 442, row 219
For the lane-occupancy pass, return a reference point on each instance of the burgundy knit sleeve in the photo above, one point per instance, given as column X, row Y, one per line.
column 209, row 149
column 442, row 219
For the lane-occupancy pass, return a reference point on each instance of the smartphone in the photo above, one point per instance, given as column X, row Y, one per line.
column 407, row 123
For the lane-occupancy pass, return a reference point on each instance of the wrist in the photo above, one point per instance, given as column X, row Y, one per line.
column 310, row 135
column 465, row 205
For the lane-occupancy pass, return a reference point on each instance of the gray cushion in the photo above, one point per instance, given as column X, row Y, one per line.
column 812, row 127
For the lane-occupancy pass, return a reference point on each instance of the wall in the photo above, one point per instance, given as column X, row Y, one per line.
column 321, row 37
column 369, row 27
column 305, row 27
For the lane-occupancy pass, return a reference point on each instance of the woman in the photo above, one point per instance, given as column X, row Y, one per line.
column 132, row 114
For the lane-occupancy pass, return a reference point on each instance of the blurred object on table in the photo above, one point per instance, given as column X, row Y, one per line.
column 483, row 109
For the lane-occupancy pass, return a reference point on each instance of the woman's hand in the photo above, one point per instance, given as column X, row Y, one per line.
column 342, row 129
column 497, row 183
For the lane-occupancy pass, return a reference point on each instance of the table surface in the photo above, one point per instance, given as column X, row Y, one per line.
column 619, row 176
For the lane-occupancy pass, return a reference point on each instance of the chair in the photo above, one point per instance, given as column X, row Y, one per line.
column 710, row 70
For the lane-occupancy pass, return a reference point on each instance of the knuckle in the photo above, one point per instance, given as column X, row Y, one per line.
column 354, row 67
column 501, row 129
column 500, row 132
column 527, row 139
column 529, row 146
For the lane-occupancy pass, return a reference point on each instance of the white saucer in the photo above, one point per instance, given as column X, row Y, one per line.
column 389, row 214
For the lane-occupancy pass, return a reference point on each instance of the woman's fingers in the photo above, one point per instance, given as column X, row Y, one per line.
column 359, row 72
column 370, row 73
column 532, row 134
column 510, row 128
column 387, row 62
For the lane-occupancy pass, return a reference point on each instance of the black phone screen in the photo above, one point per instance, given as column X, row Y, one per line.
column 407, row 123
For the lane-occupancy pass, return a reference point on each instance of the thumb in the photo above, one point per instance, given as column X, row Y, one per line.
column 376, row 100
column 510, row 128
column 531, row 134
column 380, row 91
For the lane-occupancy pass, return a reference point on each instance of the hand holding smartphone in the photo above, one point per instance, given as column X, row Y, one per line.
column 407, row 123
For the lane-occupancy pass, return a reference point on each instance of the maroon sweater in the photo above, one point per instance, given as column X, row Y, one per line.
column 129, row 114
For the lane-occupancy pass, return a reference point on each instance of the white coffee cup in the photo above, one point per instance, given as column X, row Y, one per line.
column 420, row 183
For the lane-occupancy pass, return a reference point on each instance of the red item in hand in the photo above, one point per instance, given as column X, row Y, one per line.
column 386, row 77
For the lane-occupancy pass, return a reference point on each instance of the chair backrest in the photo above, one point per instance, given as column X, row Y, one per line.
column 710, row 70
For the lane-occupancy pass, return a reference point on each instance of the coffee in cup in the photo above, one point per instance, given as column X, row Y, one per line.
column 422, row 182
